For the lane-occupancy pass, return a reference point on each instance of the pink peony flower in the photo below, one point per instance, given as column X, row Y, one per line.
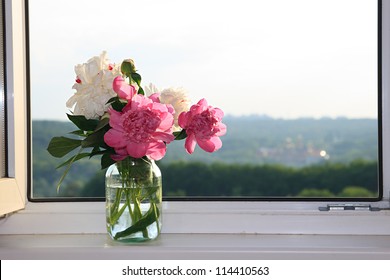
column 203, row 126
column 142, row 129
column 123, row 89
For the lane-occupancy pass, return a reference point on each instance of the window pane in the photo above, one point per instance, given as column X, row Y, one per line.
column 297, row 80
column 2, row 99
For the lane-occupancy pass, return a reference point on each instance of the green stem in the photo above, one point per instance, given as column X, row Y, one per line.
column 128, row 204
column 67, row 169
column 156, row 215
column 138, row 211
column 115, row 205
column 114, row 214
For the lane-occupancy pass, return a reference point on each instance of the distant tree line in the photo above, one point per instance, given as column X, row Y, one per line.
column 356, row 179
column 220, row 179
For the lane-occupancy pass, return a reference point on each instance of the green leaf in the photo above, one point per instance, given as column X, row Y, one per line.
column 73, row 159
column 60, row 146
column 78, row 133
column 180, row 135
column 95, row 139
column 136, row 77
column 141, row 91
column 118, row 105
column 82, row 123
column 103, row 123
column 98, row 152
column 150, row 217
column 70, row 162
column 112, row 99
column 106, row 160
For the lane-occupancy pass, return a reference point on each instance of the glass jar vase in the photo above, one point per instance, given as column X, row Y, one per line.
column 133, row 200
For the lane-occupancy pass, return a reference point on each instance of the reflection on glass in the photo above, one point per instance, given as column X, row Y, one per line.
column 296, row 79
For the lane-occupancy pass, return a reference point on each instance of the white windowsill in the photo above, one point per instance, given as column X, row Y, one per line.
column 196, row 246
column 198, row 230
column 202, row 217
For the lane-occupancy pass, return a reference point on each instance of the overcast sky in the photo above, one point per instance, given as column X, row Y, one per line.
column 286, row 59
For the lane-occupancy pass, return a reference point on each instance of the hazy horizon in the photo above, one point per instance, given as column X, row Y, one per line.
column 257, row 116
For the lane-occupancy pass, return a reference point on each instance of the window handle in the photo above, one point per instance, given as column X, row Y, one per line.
column 349, row 207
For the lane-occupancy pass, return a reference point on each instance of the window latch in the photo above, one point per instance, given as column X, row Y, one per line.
column 348, row 207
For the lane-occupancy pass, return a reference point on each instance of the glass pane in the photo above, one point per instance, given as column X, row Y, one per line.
column 2, row 99
column 297, row 80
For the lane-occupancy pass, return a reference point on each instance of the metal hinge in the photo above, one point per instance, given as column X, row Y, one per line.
column 348, row 207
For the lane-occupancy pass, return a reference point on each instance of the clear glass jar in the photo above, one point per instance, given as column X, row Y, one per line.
column 133, row 200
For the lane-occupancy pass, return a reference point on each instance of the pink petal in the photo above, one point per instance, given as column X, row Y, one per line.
column 207, row 146
column 140, row 101
column 157, row 150
column 210, row 145
column 218, row 113
column 114, row 138
column 137, row 150
column 222, row 129
column 163, row 136
column 170, row 109
column 190, row 143
column 121, row 151
column 167, row 121
column 124, row 90
column 200, row 107
column 203, row 102
column 196, row 109
column 160, row 107
column 183, row 119
column 155, row 97
column 115, row 119
column 118, row 157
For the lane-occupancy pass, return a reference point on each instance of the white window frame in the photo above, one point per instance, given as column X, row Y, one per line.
column 256, row 217
column 13, row 188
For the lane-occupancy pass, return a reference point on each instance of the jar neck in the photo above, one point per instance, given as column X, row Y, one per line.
column 140, row 164
column 135, row 161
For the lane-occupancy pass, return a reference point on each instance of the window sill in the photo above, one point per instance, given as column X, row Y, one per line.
column 201, row 218
column 198, row 230
column 196, row 246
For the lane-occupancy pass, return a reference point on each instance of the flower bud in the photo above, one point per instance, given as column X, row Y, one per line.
column 128, row 67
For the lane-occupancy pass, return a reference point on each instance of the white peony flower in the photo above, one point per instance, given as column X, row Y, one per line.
column 93, row 87
column 177, row 97
column 150, row 89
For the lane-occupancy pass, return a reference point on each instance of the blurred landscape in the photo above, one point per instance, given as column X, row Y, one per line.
column 260, row 157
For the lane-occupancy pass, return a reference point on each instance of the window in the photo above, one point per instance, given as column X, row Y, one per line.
column 251, row 217
column 13, row 182
column 281, row 53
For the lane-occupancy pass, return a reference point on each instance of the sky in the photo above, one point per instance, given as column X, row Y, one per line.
column 285, row 59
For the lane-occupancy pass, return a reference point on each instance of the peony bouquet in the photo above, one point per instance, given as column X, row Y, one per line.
column 116, row 118
column 130, row 128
